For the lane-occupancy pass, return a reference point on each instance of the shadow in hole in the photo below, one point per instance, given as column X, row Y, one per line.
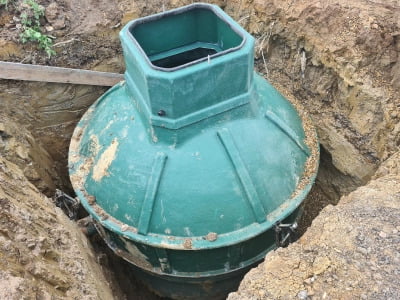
column 330, row 185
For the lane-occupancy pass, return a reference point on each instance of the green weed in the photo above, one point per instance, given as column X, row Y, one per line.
column 5, row 3
column 44, row 41
column 30, row 20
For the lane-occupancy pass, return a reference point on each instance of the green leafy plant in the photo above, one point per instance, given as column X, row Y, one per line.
column 4, row 2
column 38, row 10
column 44, row 41
column 30, row 20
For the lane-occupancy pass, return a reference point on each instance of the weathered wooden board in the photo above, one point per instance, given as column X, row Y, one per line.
column 17, row 71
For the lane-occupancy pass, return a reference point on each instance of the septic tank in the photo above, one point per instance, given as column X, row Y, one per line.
column 194, row 167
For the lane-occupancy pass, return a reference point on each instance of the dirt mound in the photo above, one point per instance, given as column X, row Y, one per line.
column 43, row 255
column 351, row 251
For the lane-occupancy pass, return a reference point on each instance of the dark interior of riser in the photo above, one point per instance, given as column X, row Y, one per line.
column 180, row 38
column 183, row 58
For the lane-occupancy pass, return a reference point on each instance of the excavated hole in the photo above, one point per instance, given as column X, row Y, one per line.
column 281, row 59
column 330, row 185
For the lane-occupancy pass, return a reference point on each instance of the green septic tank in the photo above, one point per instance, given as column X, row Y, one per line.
column 189, row 166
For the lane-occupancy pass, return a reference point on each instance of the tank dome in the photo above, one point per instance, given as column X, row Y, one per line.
column 189, row 164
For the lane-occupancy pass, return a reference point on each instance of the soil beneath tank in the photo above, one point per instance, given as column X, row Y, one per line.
column 339, row 59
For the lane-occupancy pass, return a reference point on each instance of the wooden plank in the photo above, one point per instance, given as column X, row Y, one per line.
column 17, row 71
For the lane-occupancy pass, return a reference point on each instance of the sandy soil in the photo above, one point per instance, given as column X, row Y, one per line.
column 43, row 254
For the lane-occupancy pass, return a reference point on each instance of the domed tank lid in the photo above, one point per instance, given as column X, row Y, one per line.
column 197, row 154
